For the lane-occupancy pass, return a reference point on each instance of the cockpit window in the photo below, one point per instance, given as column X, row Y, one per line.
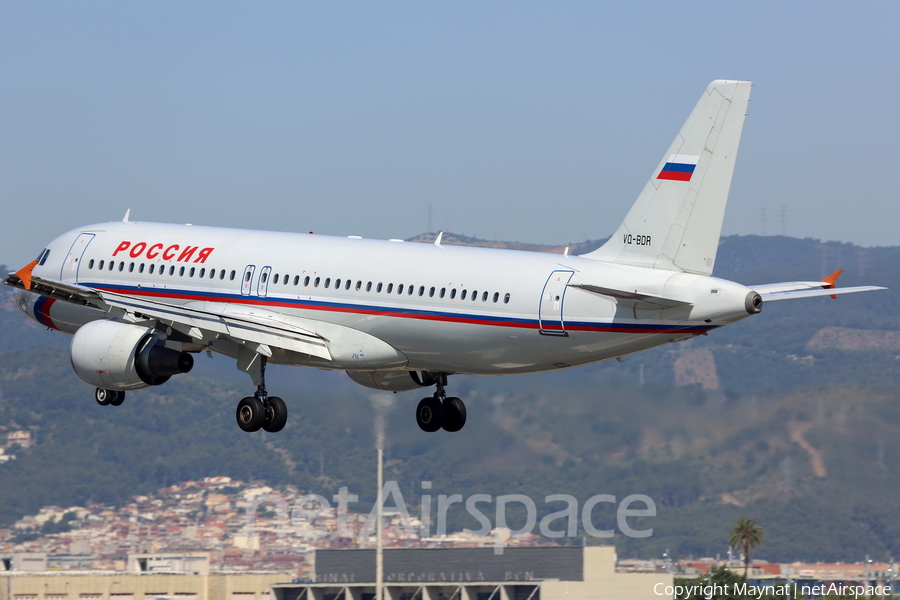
column 42, row 257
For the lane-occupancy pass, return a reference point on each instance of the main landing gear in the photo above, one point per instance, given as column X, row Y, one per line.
column 261, row 411
column 439, row 411
column 109, row 397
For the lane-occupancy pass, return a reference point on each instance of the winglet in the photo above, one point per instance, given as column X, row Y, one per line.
column 831, row 280
column 437, row 241
column 24, row 274
column 127, row 216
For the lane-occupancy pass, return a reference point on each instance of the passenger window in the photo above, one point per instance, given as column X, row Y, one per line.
column 172, row 270
column 400, row 289
column 474, row 295
column 316, row 282
column 463, row 295
column 347, row 285
column 421, row 290
column 100, row 266
column 390, row 288
column 431, row 293
column 337, row 284
column 275, row 279
column 378, row 289
column 212, row 273
column 369, row 287
column 233, row 274
column 152, row 268
column 222, row 274
column 496, row 296
column 141, row 268
column 484, row 297
column 247, row 276
column 296, row 280
column 265, row 276
column 91, row 264
column 411, row 289
column 506, row 299
column 306, row 281
column 358, row 285
column 443, row 290
column 121, row 266
column 453, row 293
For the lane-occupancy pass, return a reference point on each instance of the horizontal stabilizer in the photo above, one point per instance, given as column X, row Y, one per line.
column 790, row 290
column 632, row 296
column 771, row 296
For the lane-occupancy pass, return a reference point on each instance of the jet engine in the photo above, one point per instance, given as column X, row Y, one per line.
column 392, row 381
column 120, row 356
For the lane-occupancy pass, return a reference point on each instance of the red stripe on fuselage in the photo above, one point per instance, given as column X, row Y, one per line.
column 400, row 313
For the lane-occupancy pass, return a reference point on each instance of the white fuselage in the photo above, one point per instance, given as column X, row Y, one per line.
column 449, row 309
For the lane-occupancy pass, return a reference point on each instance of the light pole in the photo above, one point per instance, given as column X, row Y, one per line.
column 379, row 549
column 381, row 403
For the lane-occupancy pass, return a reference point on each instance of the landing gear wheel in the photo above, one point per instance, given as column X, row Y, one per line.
column 454, row 414
column 117, row 399
column 251, row 414
column 104, row 397
column 276, row 414
column 430, row 414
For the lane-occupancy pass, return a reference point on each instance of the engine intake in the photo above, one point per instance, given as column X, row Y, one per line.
column 121, row 356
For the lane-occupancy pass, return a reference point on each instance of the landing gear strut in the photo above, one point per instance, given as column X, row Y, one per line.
column 261, row 411
column 439, row 411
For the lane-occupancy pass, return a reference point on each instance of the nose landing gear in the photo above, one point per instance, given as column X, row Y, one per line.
column 439, row 411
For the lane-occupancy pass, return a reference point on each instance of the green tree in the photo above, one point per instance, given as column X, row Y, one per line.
column 746, row 535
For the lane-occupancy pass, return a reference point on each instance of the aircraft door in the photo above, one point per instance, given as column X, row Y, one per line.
column 262, row 286
column 550, row 314
column 69, row 271
column 247, row 281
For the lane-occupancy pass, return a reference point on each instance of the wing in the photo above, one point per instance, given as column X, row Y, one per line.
column 261, row 330
column 790, row 290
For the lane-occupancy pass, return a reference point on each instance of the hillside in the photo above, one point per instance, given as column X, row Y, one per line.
column 791, row 417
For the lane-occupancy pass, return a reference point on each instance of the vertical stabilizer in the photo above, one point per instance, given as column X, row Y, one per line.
column 676, row 221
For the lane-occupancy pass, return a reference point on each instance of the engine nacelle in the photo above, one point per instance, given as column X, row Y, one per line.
column 392, row 381
column 119, row 356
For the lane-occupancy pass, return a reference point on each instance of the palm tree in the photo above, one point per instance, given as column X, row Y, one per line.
column 746, row 535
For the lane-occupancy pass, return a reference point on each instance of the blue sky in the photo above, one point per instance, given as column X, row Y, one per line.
column 514, row 120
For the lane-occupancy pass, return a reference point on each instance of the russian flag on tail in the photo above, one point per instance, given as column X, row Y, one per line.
column 679, row 167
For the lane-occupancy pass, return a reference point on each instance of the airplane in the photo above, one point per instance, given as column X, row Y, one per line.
column 140, row 299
